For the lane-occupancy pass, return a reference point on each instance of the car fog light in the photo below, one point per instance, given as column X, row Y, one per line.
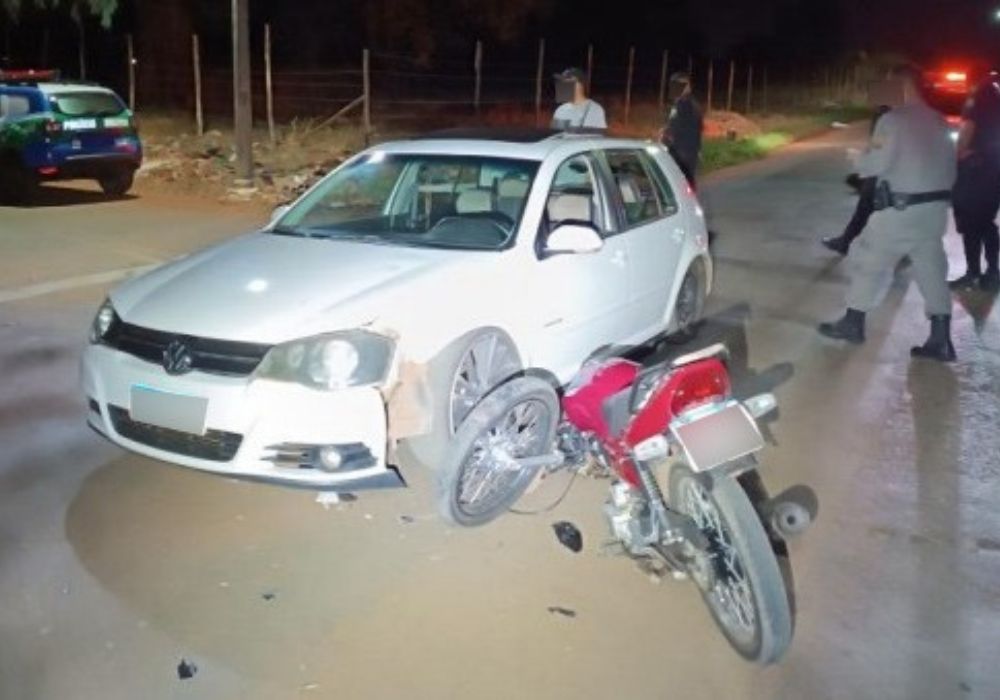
column 330, row 458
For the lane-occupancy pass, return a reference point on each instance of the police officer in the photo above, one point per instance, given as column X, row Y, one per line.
column 913, row 159
column 685, row 123
column 865, row 187
column 577, row 110
column 976, row 197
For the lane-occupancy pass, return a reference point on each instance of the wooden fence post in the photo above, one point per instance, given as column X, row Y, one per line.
column 130, row 50
column 268, row 84
column 199, row 119
column 749, row 89
column 538, row 82
column 367, row 82
column 765, row 90
column 82, row 48
column 663, row 79
column 628, row 82
column 732, row 79
column 711, row 81
column 479, row 74
column 590, row 66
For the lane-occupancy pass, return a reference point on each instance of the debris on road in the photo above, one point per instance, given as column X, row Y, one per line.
column 559, row 610
column 569, row 535
column 406, row 519
column 269, row 595
column 186, row 669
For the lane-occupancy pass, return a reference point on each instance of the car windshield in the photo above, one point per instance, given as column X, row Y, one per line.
column 460, row 202
column 87, row 104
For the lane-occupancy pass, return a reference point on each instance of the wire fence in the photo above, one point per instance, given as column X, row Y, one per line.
column 393, row 89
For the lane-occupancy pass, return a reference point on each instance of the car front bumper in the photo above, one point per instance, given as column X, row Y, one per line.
column 253, row 429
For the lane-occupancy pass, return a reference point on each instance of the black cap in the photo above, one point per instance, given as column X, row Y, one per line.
column 576, row 74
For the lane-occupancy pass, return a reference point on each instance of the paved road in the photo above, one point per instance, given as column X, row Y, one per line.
column 113, row 568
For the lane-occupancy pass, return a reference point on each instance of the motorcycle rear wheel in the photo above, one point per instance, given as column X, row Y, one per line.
column 479, row 478
column 748, row 598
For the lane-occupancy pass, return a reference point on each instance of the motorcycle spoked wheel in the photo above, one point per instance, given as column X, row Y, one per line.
column 747, row 598
column 479, row 479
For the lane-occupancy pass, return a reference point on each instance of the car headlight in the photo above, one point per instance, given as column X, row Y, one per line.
column 103, row 321
column 332, row 361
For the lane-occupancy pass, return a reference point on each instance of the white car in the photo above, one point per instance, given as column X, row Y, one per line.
column 390, row 298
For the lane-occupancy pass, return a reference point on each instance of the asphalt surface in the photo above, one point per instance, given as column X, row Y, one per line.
column 115, row 568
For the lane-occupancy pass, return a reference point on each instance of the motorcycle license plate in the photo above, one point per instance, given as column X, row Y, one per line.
column 714, row 438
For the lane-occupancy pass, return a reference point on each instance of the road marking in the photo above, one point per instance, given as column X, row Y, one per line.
column 43, row 288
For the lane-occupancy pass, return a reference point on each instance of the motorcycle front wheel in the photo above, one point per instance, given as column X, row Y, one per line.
column 480, row 478
column 747, row 595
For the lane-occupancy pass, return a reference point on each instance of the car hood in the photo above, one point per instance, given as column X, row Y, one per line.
column 267, row 288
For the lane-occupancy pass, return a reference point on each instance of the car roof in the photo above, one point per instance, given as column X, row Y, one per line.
column 520, row 144
column 66, row 88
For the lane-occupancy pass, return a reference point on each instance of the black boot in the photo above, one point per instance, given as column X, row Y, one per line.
column 850, row 328
column 838, row 244
column 970, row 280
column 938, row 345
column 990, row 282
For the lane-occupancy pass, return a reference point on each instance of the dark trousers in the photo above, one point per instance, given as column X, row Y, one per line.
column 863, row 210
column 687, row 164
column 976, row 201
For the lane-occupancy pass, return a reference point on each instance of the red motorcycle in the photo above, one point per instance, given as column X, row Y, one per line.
column 677, row 424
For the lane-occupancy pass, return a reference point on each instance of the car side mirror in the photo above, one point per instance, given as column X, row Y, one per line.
column 279, row 211
column 573, row 239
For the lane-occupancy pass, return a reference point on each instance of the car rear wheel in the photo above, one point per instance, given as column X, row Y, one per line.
column 18, row 185
column 688, row 307
column 118, row 183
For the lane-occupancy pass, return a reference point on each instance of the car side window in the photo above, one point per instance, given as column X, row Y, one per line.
column 668, row 201
column 636, row 192
column 575, row 196
column 14, row 106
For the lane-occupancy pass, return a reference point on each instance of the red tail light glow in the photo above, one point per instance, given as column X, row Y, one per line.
column 698, row 384
column 955, row 77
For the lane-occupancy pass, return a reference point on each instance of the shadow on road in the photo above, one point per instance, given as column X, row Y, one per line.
column 47, row 197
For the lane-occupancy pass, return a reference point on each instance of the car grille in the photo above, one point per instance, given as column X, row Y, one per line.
column 214, row 445
column 228, row 357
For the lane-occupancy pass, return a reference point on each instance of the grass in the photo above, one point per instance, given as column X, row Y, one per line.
column 777, row 130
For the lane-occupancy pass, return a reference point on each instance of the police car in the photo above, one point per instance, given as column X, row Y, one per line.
column 53, row 130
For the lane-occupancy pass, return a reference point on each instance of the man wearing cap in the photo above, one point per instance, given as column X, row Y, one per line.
column 576, row 110
column 682, row 133
column 913, row 159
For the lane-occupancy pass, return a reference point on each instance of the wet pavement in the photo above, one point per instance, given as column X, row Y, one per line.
column 115, row 568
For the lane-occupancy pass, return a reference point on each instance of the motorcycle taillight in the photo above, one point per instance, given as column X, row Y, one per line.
column 699, row 383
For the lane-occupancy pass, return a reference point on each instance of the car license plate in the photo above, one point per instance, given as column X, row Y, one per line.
column 79, row 124
column 166, row 409
column 718, row 437
column 115, row 122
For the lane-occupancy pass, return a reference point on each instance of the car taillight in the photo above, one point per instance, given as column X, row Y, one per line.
column 53, row 127
column 955, row 77
column 699, row 383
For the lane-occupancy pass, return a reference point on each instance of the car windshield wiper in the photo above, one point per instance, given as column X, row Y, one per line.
column 287, row 231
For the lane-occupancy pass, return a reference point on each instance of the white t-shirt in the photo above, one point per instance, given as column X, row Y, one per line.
column 587, row 114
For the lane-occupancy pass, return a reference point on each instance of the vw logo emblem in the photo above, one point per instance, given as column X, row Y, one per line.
column 177, row 358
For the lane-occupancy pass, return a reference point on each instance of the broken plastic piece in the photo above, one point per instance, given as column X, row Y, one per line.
column 569, row 535
column 559, row 610
column 186, row 669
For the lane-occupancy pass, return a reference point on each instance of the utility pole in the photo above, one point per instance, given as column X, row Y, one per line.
column 242, row 106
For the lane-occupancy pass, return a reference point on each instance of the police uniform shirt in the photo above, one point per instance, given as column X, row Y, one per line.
column 684, row 124
column 911, row 150
column 983, row 110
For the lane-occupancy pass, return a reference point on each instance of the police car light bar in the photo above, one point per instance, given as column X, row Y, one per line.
column 955, row 77
column 28, row 74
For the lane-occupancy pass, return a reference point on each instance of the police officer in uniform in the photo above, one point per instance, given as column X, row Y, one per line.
column 913, row 159
column 685, row 123
column 976, row 197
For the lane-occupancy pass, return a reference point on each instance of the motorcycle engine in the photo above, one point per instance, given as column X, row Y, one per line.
column 629, row 518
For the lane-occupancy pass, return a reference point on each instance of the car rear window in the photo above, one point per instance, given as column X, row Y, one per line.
column 87, row 104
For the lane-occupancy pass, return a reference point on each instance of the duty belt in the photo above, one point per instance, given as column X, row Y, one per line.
column 885, row 197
